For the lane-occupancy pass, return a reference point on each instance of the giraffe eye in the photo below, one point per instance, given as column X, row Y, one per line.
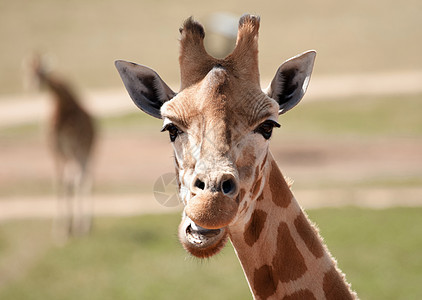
column 266, row 128
column 173, row 130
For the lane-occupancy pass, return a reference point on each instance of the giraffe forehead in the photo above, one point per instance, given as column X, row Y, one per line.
column 221, row 101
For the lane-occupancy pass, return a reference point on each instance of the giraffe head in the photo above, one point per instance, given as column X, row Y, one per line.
column 35, row 68
column 219, row 123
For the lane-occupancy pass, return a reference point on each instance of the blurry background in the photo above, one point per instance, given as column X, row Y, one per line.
column 353, row 145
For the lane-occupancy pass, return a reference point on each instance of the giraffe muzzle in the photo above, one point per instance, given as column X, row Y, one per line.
column 225, row 183
column 213, row 205
column 211, row 210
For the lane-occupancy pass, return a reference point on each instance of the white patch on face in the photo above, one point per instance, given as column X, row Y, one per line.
column 195, row 147
column 184, row 188
column 250, row 153
column 187, row 145
column 166, row 121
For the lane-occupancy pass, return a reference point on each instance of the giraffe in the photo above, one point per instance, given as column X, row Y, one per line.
column 72, row 138
column 220, row 124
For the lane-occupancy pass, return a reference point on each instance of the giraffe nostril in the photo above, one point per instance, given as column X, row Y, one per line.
column 199, row 184
column 228, row 186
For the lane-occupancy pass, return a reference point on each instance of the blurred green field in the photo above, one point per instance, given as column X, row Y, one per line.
column 140, row 258
column 85, row 37
column 361, row 118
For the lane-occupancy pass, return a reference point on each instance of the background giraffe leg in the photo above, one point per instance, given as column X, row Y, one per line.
column 82, row 203
column 62, row 221
column 70, row 205
column 87, row 202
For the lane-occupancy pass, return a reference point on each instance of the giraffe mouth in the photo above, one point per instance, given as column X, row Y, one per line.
column 201, row 236
column 199, row 241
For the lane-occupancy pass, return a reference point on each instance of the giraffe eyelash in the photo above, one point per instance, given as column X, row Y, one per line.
column 266, row 128
column 173, row 130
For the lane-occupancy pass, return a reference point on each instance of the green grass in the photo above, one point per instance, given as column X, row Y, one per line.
column 362, row 117
column 136, row 258
column 134, row 122
column 379, row 250
column 140, row 258
column 387, row 183
column 21, row 130
column 22, row 245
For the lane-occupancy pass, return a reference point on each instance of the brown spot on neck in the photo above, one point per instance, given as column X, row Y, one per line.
column 335, row 287
column 309, row 235
column 280, row 192
column 254, row 227
column 288, row 262
column 264, row 284
column 301, row 295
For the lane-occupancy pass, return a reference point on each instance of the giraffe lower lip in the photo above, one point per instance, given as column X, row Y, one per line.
column 199, row 241
column 201, row 236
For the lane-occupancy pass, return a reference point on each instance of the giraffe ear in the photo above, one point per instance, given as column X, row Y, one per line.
column 291, row 81
column 145, row 87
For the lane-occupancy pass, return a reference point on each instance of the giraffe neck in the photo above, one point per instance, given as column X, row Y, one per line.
column 65, row 99
column 280, row 250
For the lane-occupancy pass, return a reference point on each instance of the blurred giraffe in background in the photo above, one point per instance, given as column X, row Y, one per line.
column 72, row 136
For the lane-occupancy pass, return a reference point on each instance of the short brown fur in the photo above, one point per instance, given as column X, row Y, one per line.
column 288, row 262
column 281, row 194
column 264, row 284
column 301, row 295
column 309, row 235
column 255, row 226
column 334, row 286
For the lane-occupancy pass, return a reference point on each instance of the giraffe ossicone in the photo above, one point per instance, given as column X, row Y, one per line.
column 220, row 124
